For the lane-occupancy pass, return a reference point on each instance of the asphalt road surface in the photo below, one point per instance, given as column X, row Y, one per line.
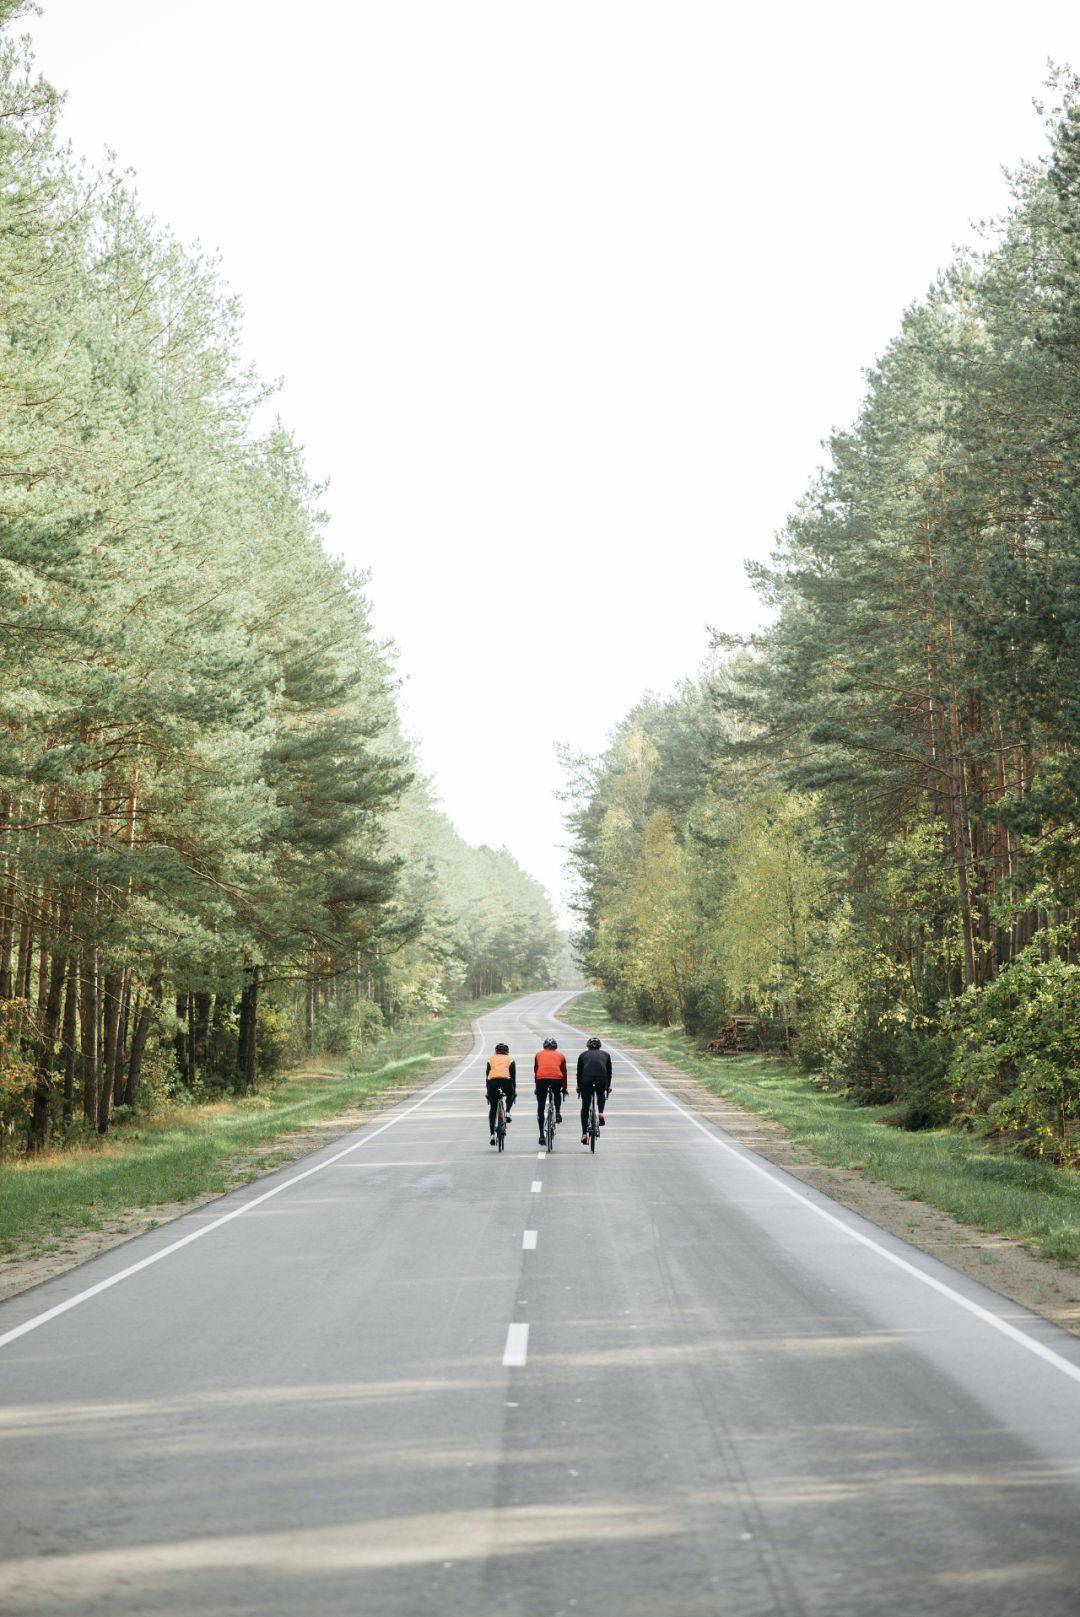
column 725, row 1394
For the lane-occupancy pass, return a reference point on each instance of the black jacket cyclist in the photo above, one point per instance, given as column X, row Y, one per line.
column 593, row 1077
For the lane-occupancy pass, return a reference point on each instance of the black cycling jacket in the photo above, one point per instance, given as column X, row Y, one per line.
column 594, row 1067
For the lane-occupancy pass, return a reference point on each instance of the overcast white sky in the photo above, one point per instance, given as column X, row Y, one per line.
column 566, row 294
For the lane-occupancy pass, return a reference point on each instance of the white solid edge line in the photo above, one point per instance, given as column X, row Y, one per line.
column 536, row 1184
column 516, row 1350
column 37, row 1320
column 1021, row 1337
column 528, row 1241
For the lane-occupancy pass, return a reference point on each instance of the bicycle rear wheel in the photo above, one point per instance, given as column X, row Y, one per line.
column 500, row 1124
column 549, row 1122
column 594, row 1122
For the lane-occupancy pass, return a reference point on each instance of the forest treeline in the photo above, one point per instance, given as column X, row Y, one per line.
column 861, row 827
column 214, row 844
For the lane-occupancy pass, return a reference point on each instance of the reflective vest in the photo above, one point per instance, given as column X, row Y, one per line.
column 549, row 1064
column 499, row 1067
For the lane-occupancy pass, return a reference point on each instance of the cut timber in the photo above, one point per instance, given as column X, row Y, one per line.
column 738, row 1035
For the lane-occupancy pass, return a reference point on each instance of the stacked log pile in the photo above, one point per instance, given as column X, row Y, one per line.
column 738, row 1035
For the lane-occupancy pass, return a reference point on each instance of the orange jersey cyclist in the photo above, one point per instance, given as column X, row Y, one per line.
column 549, row 1073
column 500, row 1077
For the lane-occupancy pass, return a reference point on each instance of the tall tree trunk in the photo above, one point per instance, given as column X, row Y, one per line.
column 181, row 1039
column 140, row 1034
column 43, row 954
column 192, row 1055
column 7, row 935
column 22, row 969
column 111, row 1020
column 201, row 1042
column 243, row 1032
column 251, row 1073
column 89, row 1017
column 117, row 1076
column 247, row 1063
column 68, row 1036
column 46, row 1052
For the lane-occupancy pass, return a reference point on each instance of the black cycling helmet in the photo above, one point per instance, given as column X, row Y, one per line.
column 550, row 1044
column 593, row 1043
column 502, row 1049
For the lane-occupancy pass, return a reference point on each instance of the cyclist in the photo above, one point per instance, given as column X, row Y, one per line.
column 500, row 1076
column 549, row 1073
column 593, row 1074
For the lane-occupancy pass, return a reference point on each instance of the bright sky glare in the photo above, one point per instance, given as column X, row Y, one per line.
column 565, row 295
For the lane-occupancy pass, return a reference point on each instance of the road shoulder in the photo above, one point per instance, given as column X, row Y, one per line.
column 1047, row 1288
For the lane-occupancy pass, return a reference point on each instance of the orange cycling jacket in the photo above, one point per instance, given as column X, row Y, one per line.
column 548, row 1064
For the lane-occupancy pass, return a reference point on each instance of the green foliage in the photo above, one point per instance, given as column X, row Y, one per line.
column 274, row 1039
column 16, row 1071
column 974, row 1180
column 864, row 828
column 1016, row 1056
column 204, row 790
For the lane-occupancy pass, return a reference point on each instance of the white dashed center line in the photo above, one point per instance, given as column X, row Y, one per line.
column 537, row 1183
column 528, row 1242
column 517, row 1346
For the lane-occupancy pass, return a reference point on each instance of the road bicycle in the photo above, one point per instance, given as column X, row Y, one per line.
column 593, row 1130
column 549, row 1120
column 500, row 1122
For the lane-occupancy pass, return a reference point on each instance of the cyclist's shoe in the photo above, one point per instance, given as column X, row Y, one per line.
column 558, row 1119
column 542, row 1141
column 493, row 1139
column 603, row 1119
column 584, row 1139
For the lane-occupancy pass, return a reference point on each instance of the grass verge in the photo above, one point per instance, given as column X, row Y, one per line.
column 977, row 1183
column 189, row 1152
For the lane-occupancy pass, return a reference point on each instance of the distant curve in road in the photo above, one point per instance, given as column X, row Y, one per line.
column 412, row 1375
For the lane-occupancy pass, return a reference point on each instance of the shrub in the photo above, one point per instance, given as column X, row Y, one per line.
column 16, row 1070
column 368, row 1026
column 1016, row 1060
column 273, row 1039
column 920, row 1066
column 707, row 1008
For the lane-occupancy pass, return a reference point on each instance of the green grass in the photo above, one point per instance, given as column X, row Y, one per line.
column 980, row 1184
column 191, row 1151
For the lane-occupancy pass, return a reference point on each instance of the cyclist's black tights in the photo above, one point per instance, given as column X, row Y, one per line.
column 586, row 1101
column 509, row 1090
column 542, row 1087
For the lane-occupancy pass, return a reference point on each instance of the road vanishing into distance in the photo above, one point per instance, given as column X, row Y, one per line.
column 408, row 1375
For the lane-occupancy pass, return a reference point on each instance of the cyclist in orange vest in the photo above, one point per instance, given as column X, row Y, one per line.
column 501, row 1074
column 549, row 1072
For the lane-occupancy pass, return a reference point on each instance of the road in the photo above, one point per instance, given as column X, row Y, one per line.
column 736, row 1397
